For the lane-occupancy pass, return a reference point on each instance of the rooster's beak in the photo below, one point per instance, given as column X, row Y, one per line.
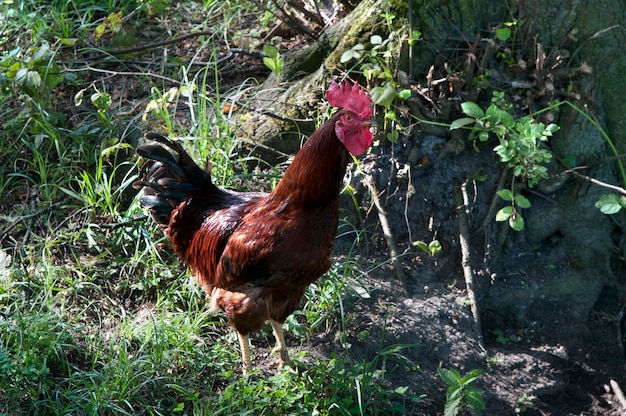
column 370, row 123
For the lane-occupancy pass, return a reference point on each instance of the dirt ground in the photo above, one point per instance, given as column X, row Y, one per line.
column 536, row 361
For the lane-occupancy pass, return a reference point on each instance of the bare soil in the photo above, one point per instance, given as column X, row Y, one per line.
column 542, row 363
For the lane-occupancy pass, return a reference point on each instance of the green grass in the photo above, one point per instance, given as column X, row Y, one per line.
column 97, row 317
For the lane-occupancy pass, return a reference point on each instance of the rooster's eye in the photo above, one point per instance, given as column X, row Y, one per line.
column 347, row 118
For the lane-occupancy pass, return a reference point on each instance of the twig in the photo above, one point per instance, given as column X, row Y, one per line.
column 294, row 22
column 462, row 201
column 309, row 15
column 597, row 182
column 618, row 393
column 384, row 223
column 115, row 73
column 26, row 217
column 147, row 46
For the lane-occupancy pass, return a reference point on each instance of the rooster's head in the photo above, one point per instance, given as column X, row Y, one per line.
column 353, row 126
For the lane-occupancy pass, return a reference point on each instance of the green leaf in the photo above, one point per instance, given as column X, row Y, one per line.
column 522, row 202
column 472, row 109
column 498, row 116
column 505, row 194
column 393, row 136
column 346, row 56
column 552, row 128
column 450, row 377
column 504, row 213
column 100, row 29
column 610, row 204
column 421, row 245
column 391, row 115
column 473, row 398
column 434, row 247
column 461, row 122
column 41, row 53
column 452, row 407
column 503, row 33
column 384, row 95
column 78, row 97
column 270, row 50
column 404, row 94
column 471, row 376
column 516, row 221
column 270, row 63
column 376, row 39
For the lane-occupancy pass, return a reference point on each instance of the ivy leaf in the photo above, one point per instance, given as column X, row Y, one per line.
column 503, row 33
column 383, row 95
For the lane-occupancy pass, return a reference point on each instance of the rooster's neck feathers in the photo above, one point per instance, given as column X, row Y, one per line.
column 315, row 176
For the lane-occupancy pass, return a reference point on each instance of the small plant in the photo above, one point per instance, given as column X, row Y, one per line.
column 524, row 403
column 431, row 248
column 273, row 59
column 511, row 213
column 112, row 22
column 521, row 147
column 160, row 106
column 460, row 395
column 33, row 70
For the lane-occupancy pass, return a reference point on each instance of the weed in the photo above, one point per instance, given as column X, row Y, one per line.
column 272, row 60
column 460, row 395
column 524, row 403
column 431, row 248
column 521, row 147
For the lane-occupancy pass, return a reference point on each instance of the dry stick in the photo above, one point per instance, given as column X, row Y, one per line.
column 18, row 220
column 618, row 393
column 384, row 223
column 462, row 202
column 598, row 182
column 152, row 45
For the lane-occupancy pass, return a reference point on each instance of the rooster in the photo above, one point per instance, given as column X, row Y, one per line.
column 255, row 253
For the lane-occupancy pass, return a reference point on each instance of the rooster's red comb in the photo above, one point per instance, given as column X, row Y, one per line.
column 353, row 98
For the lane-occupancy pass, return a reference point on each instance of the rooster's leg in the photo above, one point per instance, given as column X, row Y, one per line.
column 244, row 343
column 281, row 346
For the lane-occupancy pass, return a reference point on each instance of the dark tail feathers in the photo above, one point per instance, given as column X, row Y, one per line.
column 168, row 177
